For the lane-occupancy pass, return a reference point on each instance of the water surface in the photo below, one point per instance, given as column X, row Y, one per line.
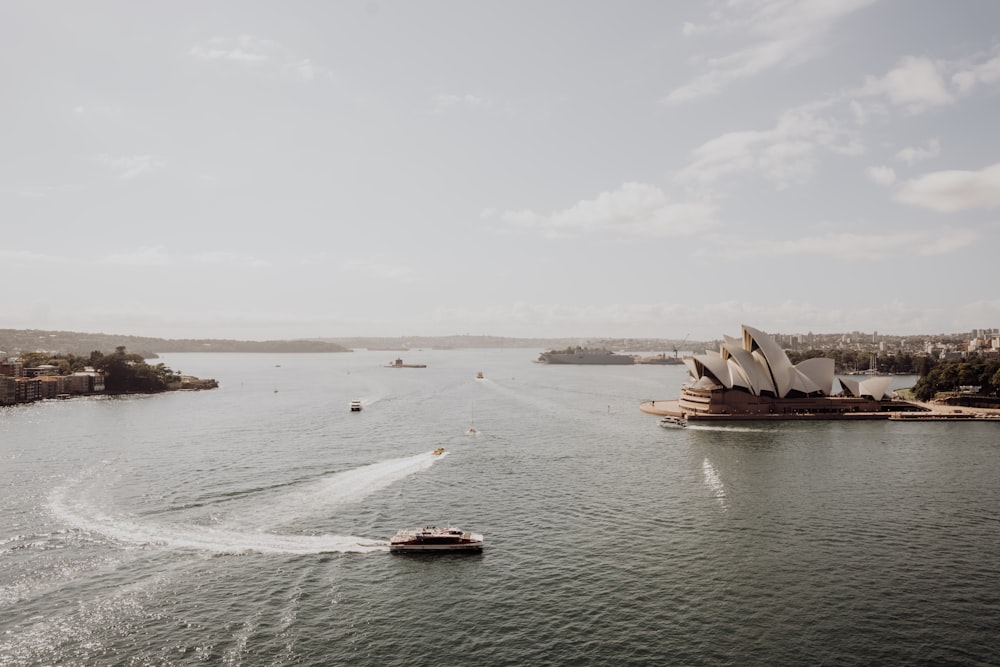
column 247, row 525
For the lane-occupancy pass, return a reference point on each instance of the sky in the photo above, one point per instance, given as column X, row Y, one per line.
column 258, row 170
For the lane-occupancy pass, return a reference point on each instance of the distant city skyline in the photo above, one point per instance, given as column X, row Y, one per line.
column 254, row 171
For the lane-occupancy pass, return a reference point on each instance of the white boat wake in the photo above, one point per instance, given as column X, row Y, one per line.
column 732, row 429
column 318, row 498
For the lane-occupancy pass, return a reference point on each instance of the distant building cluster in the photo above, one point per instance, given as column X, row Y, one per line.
column 985, row 341
column 979, row 341
column 25, row 385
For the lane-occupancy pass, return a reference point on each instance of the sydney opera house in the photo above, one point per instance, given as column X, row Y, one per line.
column 752, row 378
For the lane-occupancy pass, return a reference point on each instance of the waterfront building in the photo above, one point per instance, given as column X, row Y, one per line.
column 751, row 377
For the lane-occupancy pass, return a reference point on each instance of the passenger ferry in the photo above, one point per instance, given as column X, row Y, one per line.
column 432, row 538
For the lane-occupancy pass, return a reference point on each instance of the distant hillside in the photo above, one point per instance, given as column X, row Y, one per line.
column 15, row 341
column 404, row 343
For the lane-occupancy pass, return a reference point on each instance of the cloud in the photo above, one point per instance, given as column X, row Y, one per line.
column 19, row 257
column 245, row 49
column 786, row 33
column 144, row 256
column 47, row 191
column 129, row 166
column 380, row 269
column 225, row 258
column 104, row 111
column 637, row 209
column 881, row 175
column 785, row 154
column 848, row 246
column 971, row 75
column 913, row 154
column 158, row 256
column 952, row 191
column 447, row 101
column 255, row 51
column 916, row 84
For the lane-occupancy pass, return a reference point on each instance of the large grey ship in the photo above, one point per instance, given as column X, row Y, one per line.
column 585, row 355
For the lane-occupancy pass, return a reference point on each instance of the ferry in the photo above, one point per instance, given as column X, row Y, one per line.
column 432, row 538
column 355, row 406
column 673, row 422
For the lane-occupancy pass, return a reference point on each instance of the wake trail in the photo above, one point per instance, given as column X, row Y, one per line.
column 317, row 498
column 732, row 429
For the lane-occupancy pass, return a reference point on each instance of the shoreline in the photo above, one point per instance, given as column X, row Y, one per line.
column 931, row 412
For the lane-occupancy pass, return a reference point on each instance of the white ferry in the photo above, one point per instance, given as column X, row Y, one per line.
column 355, row 406
column 432, row 538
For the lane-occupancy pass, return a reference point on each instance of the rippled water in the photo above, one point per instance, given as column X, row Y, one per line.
column 247, row 525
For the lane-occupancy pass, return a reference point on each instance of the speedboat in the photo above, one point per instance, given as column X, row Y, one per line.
column 432, row 538
column 673, row 422
column 438, row 452
column 355, row 406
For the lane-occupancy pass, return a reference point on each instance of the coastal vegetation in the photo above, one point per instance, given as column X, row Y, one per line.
column 971, row 375
column 859, row 361
column 124, row 372
column 21, row 341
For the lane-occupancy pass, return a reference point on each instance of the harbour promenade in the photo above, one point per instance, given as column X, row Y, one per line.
column 930, row 412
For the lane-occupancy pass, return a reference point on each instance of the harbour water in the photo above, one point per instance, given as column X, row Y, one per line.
column 247, row 525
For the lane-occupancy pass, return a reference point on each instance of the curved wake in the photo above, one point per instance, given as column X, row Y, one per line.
column 317, row 498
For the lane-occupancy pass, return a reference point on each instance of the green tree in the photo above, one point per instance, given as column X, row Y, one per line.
column 128, row 373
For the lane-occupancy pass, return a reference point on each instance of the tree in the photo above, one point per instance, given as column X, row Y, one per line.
column 127, row 373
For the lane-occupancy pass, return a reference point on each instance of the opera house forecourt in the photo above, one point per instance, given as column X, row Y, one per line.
column 752, row 378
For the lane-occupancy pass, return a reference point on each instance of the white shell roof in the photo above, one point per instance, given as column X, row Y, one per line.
column 756, row 362
column 876, row 387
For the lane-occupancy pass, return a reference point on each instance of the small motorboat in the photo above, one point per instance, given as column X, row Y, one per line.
column 479, row 375
column 432, row 538
column 438, row 452
column 673, row 422
column 355, row 406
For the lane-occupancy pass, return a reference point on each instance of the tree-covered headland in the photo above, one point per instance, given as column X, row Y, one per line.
column 124, row 373
column 937, row 376
column 960, row 376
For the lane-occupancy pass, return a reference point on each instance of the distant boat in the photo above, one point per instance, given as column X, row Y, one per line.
column 355, row 406
column 479, row 375
column 585, row 356
column 472, row 427
column 438, row 452
column 673, row 422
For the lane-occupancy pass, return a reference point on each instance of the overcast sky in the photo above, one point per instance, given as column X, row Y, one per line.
column 263, row 170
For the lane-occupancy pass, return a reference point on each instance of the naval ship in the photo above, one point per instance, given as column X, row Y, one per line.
column 585, row 355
